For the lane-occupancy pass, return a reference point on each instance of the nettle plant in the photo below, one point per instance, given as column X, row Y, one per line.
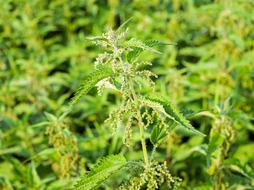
column 120, row 69
column 221, row 137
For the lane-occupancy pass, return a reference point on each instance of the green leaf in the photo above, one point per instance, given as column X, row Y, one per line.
column 158, row 133
column 142, row 45
column 235, row 165
column 59, row 184
column 91, row 80
column 244, row 152
column 215, row 142
column 94, row 38
column 50, row 117
column 19, row 167
column 139, row 46
column 173, row 114
column 203, row 187
column 106, row 167
column 152, row 43
column 124, row 24
column 33, row 177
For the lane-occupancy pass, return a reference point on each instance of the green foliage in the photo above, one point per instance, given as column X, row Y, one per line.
column 173, row 115
column 106, row 167
column 125, row 73
column 101, row 72
column 158, row 133
column 139, row 46
column 197, row 55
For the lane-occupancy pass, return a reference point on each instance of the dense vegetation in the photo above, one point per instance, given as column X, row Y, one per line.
column 91, row 99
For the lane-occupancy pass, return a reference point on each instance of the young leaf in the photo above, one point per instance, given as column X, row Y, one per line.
column 33, row 177
column 134, row 43
column 50, row 117
column 152, row 43
column 146, row 45
column 159, row 132
column 106, row 167
column 124, row 24
column 235, row 165
column 91, row 80
column 173, row 114
column 19, row 167
column 96, row 38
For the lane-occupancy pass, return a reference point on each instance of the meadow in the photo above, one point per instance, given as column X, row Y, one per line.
column 127, row 94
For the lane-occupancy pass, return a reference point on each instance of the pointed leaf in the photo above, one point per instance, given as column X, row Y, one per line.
column 106, row 167
column 33, row 177
column 50, row 117
column 91, row 80
column 122, row 26
column 141, row 46
column 159, row 132
column 173, row 114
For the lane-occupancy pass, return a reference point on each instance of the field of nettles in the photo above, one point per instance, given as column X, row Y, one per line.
column 126, row 94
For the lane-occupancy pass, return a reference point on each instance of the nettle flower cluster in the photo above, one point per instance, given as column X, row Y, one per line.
column 120, row 56
column 153, row 178
column 119, row 69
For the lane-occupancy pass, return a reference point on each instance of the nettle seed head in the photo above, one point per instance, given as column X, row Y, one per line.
column 128, row 132
column 65, row 145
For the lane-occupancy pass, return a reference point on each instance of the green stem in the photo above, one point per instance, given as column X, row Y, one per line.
column 216, row 96
column 141, row 126
column 153, row 152
column 143, row 142
column 218, row 181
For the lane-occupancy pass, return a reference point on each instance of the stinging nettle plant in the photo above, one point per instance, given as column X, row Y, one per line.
column 120, row 69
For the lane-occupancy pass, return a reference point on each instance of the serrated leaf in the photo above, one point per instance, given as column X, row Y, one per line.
column 152, row 43
column 173, row 114
column 91, row 80
column 140, row 46
column 235, row 165
column 106, row 167
column 158, row 133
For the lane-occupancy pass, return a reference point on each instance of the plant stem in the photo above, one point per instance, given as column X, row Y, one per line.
column 153, row 151
column 217, row 185
column 143, row 142
column 141, row 125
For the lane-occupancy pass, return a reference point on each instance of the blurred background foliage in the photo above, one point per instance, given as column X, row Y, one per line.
column 209, row 74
